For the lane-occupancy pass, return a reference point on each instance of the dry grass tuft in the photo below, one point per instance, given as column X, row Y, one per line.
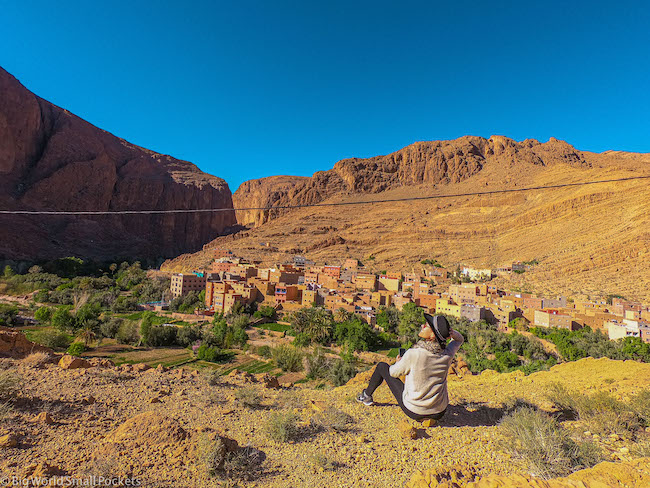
column 544, row 445
column 36, row 360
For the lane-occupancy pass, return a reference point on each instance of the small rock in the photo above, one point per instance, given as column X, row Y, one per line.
column 361, row 439
column 155, row 400
column 140, row 367
column 43, row 418
column 160, row 368
column 9, row 440
column 407, row 430
column 429, row 423
column 89, row 400
column 587, row 433
column 624, row 450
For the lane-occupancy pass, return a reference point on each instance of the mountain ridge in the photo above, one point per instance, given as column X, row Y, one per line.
column 50, row 159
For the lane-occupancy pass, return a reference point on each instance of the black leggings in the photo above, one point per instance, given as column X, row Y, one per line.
column 396, row 386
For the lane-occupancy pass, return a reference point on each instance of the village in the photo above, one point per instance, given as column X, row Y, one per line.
column 463, row 293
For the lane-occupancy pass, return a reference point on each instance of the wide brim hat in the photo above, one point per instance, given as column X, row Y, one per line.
column 439, row 325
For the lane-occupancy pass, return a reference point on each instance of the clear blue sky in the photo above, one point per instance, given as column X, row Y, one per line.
column 247, row 89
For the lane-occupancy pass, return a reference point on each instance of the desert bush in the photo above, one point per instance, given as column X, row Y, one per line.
column 601, row 412
column 640, row 404
column 282, row 426
column 544, row 445
column 287, row 357
column 6, row 409
column 604, row 414
column 317, row 365
column 333, row 419
column 9, row 384
column 264, row 351
column 342, row 371
column 127, row 333
column 36, row 359
column 248, row 397
column 242, row 463
column 290, row 400
column 76, row 349
column 52, row 338
column 563, row 399
column 321, row 462
column 211, row 454
column 642, row 448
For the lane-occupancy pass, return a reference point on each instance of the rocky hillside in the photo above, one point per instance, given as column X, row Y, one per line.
column 430, row 163
column 589, row 240
column 168, row 427
column 51, row 159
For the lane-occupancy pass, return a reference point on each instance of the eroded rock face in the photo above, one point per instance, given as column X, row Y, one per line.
column 51, row 159
column 435, row 162
column 14, row 344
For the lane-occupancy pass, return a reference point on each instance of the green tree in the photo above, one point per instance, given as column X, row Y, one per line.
column 43, row 314
column 388, row 318
column 410, row 320
column 315, row 322
column 63, row 320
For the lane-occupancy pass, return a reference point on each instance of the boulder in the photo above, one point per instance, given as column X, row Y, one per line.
column 72, row 362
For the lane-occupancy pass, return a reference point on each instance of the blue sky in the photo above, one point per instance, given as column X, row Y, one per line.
column 249, row 89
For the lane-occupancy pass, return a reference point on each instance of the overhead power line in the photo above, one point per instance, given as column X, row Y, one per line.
column 332, row 204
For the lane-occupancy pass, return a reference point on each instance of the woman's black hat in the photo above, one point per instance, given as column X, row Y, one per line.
column 439, row 325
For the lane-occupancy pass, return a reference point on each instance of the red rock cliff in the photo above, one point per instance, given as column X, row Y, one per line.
column 51, row 159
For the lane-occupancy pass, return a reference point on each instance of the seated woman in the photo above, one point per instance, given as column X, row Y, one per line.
column 424, row 394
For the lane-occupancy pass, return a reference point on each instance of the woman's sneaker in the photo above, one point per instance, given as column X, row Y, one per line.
column 365, row 399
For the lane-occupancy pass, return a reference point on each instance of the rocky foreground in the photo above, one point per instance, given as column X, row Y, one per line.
column 79, row 418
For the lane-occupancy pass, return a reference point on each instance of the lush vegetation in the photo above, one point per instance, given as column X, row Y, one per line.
column 573, row 345
column 487, row 348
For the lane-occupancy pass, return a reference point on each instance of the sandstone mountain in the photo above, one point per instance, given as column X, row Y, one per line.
column 51, row 159
column 589, row 240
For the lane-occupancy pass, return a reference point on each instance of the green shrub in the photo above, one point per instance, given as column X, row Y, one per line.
column 8, row 314
column 264, row 351
column 541, row 442
column 283, row 426
column 109, row 328
column 287, row 357
column 127, row 333
column 43, row 314
column 76, row 349
column 51, row 338
column 212, row 354
column 301, row 340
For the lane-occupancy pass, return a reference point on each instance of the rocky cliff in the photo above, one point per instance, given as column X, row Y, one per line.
column 51, row 159
column 431, row 163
